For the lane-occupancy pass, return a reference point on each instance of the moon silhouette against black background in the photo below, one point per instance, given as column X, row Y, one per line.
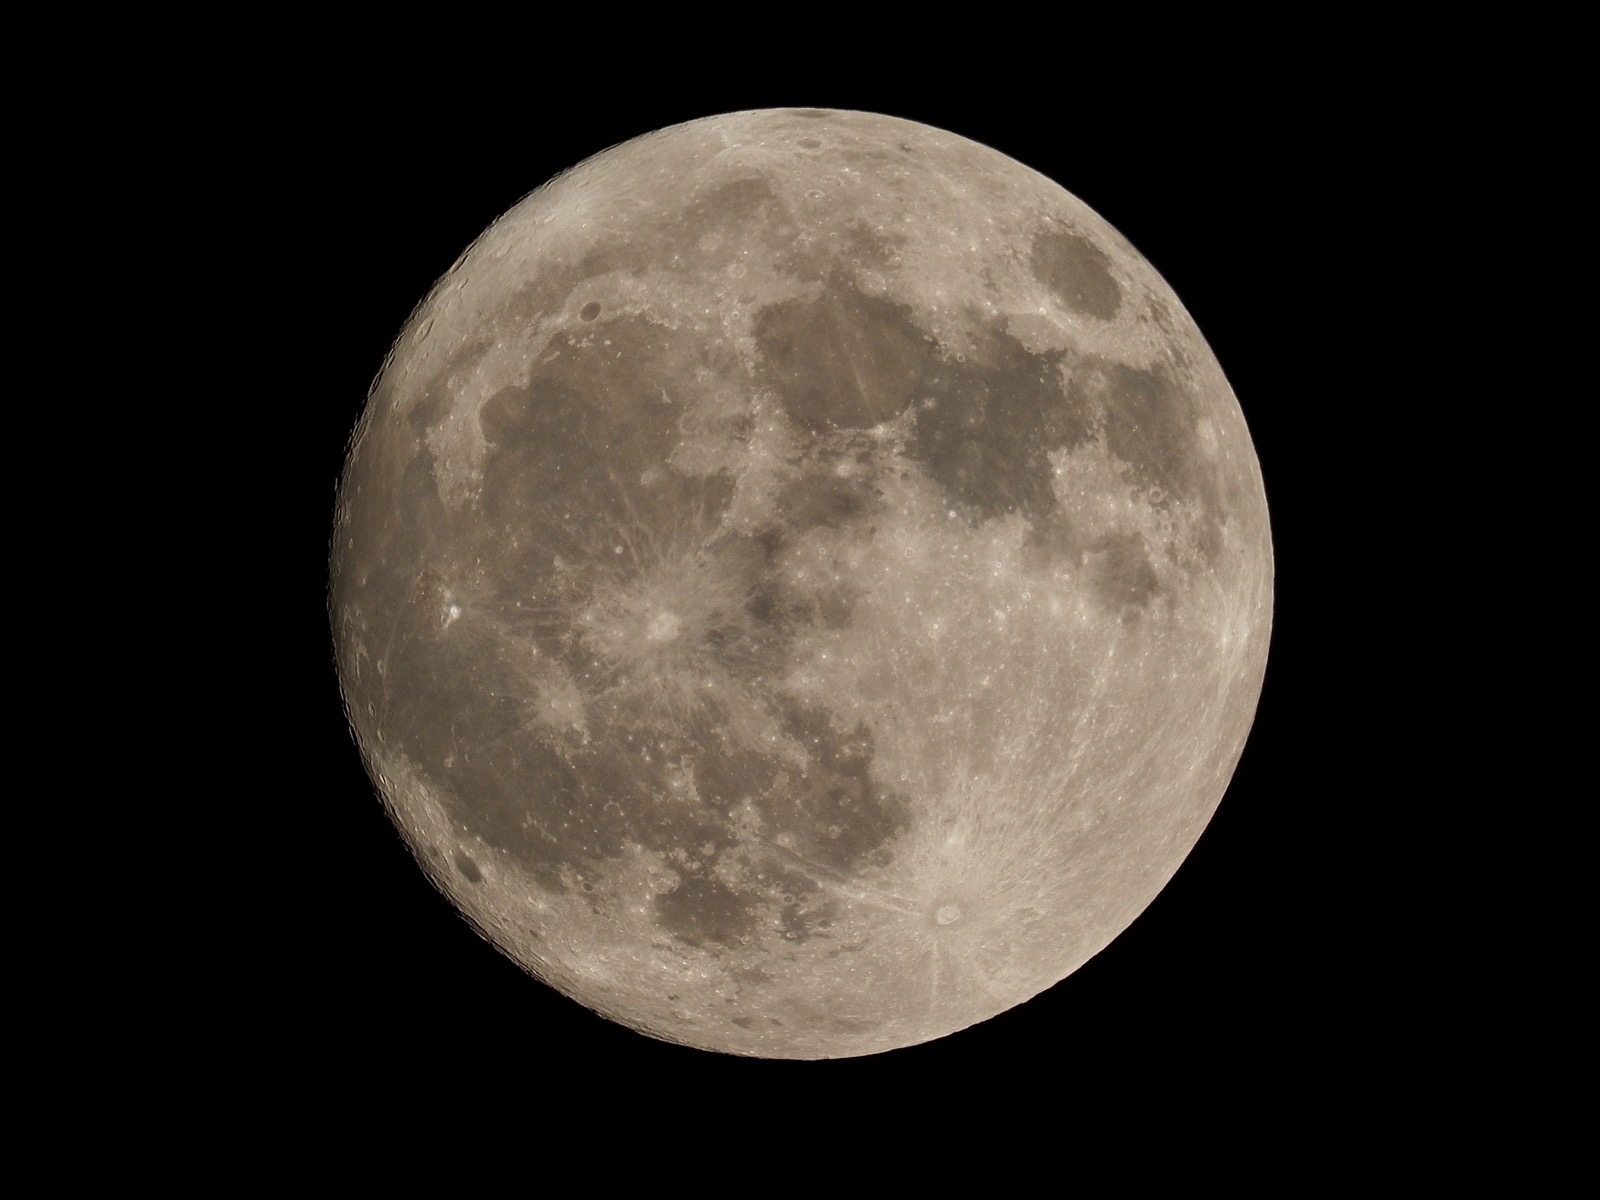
column 1202, row 967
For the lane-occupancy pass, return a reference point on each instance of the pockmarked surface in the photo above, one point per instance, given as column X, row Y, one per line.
column 801, row 584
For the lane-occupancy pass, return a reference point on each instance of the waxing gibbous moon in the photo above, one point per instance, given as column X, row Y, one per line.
column 801, row 583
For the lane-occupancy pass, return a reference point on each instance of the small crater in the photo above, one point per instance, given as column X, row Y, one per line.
column 468, row 869
column 590, row 310
column 948, row 914
column 809, row 143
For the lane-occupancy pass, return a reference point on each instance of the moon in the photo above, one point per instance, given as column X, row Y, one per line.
column 801, row 583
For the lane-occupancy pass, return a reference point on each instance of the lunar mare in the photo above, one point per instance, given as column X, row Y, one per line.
column 801, row 583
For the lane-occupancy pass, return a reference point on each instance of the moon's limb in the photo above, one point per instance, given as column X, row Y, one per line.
column 802, row 583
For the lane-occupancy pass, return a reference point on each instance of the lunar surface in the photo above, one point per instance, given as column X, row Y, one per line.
column 801, row 583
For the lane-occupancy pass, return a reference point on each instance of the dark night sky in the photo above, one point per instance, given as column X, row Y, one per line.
column 1223, row 976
